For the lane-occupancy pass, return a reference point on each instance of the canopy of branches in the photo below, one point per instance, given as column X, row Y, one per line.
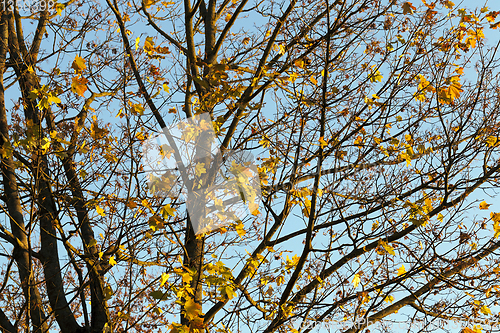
column 357, row 139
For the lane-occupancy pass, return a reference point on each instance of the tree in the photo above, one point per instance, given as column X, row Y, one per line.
column 375, row 126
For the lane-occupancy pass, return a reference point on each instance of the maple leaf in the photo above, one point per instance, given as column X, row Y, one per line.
column 485, row 310
column 45, row 144
column 496, row 223
column 401, row 270
column 108, row 292
column 299, row 63
column 167, row 211
column 79, row 85
column 322, row 142
column 100, row 211
column 449, row 4
column 408, row 8
column 376, row 76
column 389, row 299
column 59, row 8
column 112, row 260
column 454, row 89
column 495, row 217
column 192, row 309
column 164, row 278
column 356, row 280
column 200, row 169
column 484, row 206
column 158, row 295
column 149, row 3
column 155, row 222
column 53, row 99
column 149, row 45
column 230, row 292
column 240, row 230
column 491, row 141
column 491, row 16
column 137, row 109
column 78, row 65
column 475, row 329
column 387, row 247
column 459, row 70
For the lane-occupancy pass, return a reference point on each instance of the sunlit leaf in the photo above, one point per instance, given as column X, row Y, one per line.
column 484, row 206
column 356, row 280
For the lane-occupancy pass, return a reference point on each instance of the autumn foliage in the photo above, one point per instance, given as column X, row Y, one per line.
column 374, row 123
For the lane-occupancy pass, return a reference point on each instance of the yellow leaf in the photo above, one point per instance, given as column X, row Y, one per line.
column 401, row 270
column 265, row 142
column 45, row 144
column 240, row 230
column 200, row 169
column 496, row 225
column 387, row 247
column 137, row 109
column 229, row 292
column 149, row 45
column 356, row 280
column 192, row 309
column 299, row 63
column 376, row 76
column 485, row 310
column 78, row 65
column 449, row 4
column 282, row 49
column 484, row 206
column 112, row 260
column 495, row 217
column 163, row 279
column 166, row 88
column 100, row 211
column 79, row 85
column 476, row 329
column 167, row 211
column 322, row 142
column 491, row 141
column 491, row 16
column 186, row 277
column 53, row 99
column 389, row 299
column 313, row 80
column 137, row 40
column 454, row 90
column 148, row 3
column 59, row 8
